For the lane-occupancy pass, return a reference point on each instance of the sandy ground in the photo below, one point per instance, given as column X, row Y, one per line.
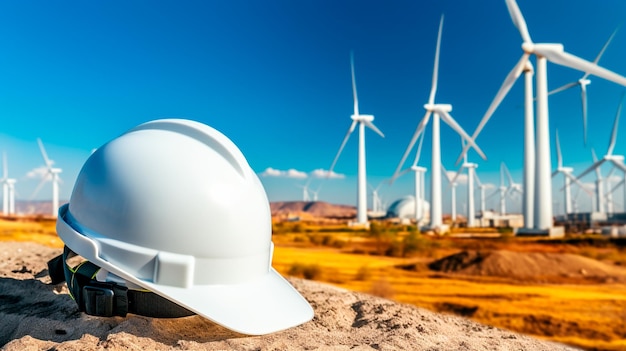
column 37, row 316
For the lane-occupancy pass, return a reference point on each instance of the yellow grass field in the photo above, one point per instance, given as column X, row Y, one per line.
column 588, row 315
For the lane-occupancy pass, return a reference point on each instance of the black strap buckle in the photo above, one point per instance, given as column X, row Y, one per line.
column 99, row 299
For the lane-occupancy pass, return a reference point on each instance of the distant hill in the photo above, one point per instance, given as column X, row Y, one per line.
column 311, row 208
column 38, row 207
column 317, row 209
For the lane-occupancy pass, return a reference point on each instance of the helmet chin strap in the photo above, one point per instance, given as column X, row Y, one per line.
column 107, row 299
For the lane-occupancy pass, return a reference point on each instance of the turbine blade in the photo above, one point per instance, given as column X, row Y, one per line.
column 615, row 124
column 564, row 87
column 616, row 186
column 343, row 143
column 554, row 173
column 568, row 60
column 518, row 20
column 456, row 176
column 404, row 171
column 504, row 89
column 418, row 131
column 593, row 155
column 583, row 95
column 445, row 172
column 595, row 165
column 44, row 154
column 603, row 49
column 619, row 165
column 463, row 147
column 371, row 126
column 38, row 188
column 452, row 123
column 578, row 182
column 433, row 89
column 356, row 100
column 419, row 150
column 478, row 183
column 508, row 175
column 610, row 172
column 559, row 158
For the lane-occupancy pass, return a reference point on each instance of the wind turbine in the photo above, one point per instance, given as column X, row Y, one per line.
column 362, row 121
column 567, row 176
column 482, row 188
column 305, row 190
column 513, row 187
column 616, row 160
column 438, row 111
column 8, row 189
column 609, row 195
column 543, row 52
column 502, row 190
column 418, row 173
column 623, row 184
column 377, row 204
column 599, row 185
column 583, row 82
column 471, row 173
column 52, row 174
column 315, row 193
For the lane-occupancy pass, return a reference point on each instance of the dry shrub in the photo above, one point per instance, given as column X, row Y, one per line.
column 363, row 273
column 382, row 288
column 306, row 271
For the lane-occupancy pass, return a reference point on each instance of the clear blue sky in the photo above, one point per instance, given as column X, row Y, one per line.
column 274, row 76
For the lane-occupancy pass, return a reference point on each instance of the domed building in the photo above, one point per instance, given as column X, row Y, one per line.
column 404, row 209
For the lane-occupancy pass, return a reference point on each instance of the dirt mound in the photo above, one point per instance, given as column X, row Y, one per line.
column 529, row 266
column 312, row 208
column 37, row 316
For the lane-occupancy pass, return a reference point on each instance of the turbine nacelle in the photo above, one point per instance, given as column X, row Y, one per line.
column 567, row 170
column 615, row 158
column 418, row 169
column 362, row 118
column 537, row 49
column 584, row 81
column 438, row 107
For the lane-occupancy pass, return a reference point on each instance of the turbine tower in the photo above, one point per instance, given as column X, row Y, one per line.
column 471, row 174
column 438, row 111
column 583, row 82
column 502, row 190
column 567, row 177
column 362, row 121
column 52, row 174
column 8, row 189
column 543, row 52
column 453, row 184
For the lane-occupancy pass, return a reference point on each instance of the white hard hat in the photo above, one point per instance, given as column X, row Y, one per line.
column 173, row 207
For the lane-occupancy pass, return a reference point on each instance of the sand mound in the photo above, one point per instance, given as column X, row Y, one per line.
column 38, row 316
column 529, row 266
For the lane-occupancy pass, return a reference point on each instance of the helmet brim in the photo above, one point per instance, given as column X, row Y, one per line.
column 263, row 305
